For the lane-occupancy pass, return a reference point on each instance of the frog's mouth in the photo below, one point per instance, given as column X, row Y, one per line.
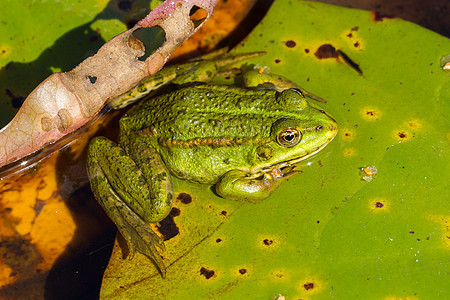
column 284, row 169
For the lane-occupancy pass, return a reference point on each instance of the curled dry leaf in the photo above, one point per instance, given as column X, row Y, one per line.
column 66, row 101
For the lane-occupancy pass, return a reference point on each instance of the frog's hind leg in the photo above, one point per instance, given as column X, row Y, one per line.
column 119, row 186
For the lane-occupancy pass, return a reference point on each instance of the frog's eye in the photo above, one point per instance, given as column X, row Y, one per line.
column 289, row 137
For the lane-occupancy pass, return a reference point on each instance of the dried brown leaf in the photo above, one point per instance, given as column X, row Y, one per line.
column 66, row 101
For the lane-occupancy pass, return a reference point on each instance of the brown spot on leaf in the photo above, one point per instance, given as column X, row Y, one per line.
column 402, row 135
column 371, row 113
column 379, row 205
column 218, row 240
column 414, row 124
column 279, row 275
column 277, row 61
column 242, row 271
column 308, row 286
column 306, row 50
column 46, row 124
column 184, row 198
column 223, row 212
column 63, row 120
column 207, row 273
column 290, row 44
column 347, row 134
column 326, row 51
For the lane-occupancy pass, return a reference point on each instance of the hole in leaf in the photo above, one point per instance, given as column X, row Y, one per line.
column 92, row 79
column 207, row 273
column 152, row 38
column 326, row 51
column 242, row 271
column 379, row 204
column 308, row 285
column 290, row 44
column 197, row 15
column 267, row 242
column 168, row 228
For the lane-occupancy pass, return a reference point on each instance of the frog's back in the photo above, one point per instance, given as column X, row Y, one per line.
column 207, row 112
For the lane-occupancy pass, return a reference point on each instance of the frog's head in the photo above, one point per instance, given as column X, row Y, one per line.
column 301, row 131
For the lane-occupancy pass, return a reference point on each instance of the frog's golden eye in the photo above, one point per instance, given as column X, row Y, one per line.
column 289, row 137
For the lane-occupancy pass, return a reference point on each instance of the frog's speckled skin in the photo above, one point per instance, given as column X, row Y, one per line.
column 242, row 140
column 202, row 132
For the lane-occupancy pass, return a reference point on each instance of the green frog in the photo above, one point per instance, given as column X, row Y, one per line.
column 243, row 141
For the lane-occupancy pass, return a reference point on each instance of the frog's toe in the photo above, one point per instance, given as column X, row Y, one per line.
column 142, row 239
column 139, row 237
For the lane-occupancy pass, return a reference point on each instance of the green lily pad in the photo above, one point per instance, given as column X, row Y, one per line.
column 334, row 231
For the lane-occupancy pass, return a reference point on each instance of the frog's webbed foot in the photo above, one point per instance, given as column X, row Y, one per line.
column 139, row 236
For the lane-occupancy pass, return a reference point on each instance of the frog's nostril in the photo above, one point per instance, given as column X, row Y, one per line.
column 319, row 128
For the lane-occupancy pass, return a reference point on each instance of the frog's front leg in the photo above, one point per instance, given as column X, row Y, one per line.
column 132, row 192
column 240, row 185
